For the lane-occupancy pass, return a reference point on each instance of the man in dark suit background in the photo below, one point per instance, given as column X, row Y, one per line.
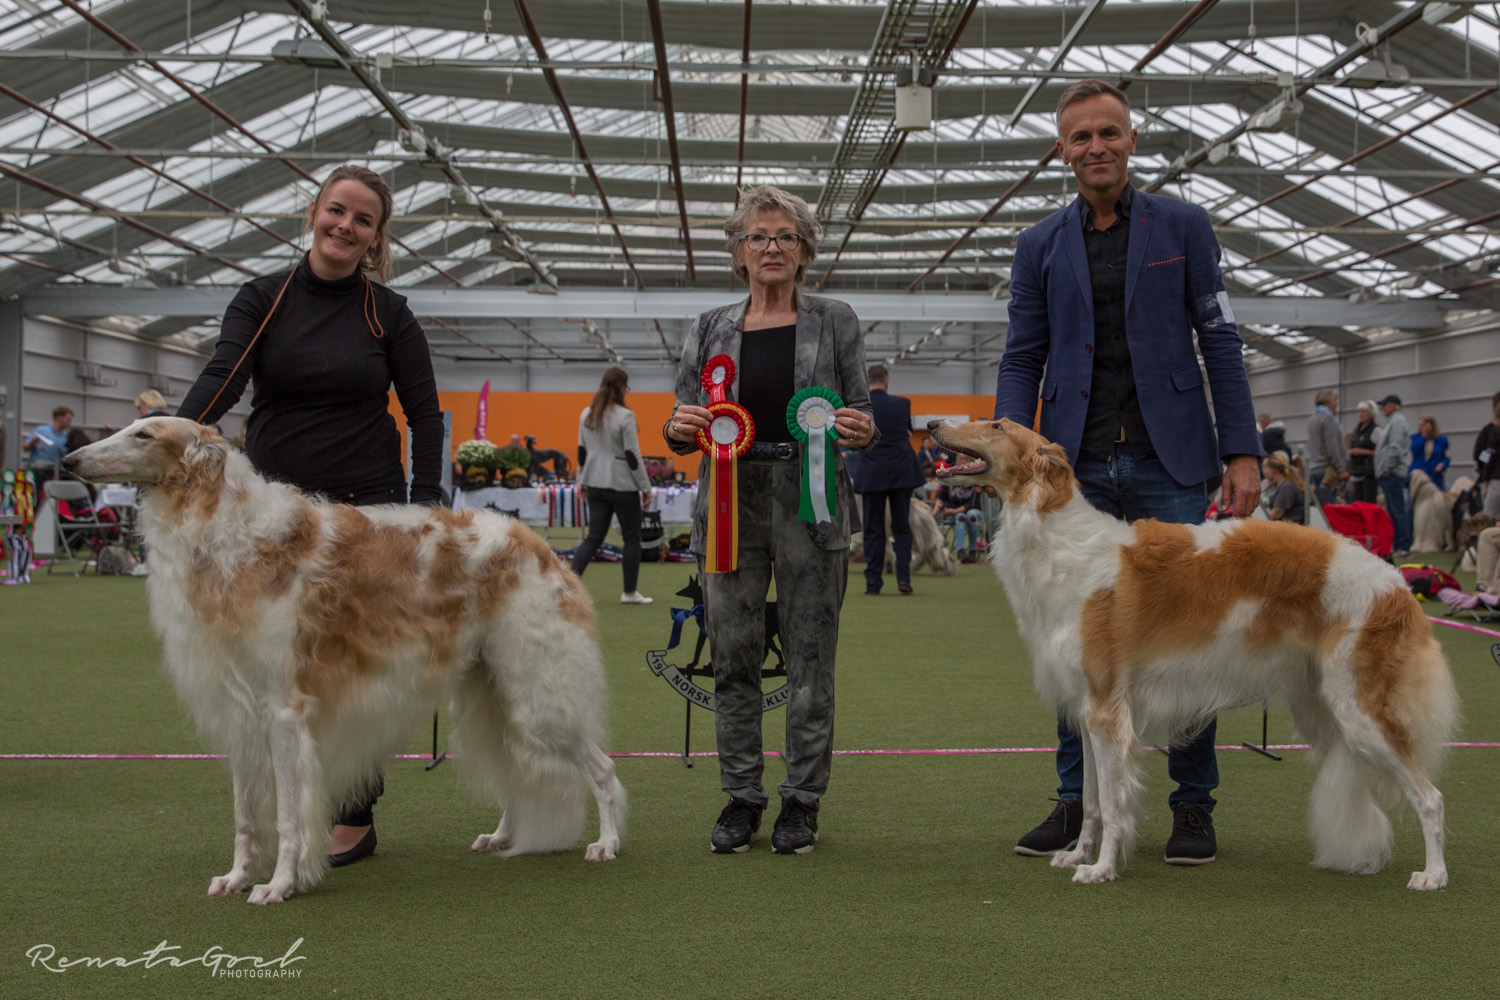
column 887, row 474
column 1108, row 297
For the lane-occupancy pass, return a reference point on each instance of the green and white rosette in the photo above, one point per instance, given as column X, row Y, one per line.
column 809, row 416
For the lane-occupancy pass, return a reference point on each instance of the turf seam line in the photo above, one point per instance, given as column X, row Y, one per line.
column 956, row 751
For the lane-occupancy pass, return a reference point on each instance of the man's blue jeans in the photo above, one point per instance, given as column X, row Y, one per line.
column 1130, row 488
column 1394, row 488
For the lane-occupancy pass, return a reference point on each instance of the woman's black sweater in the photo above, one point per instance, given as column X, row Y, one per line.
column 319, row 416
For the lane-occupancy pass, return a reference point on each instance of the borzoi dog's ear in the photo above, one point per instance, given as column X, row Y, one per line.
column 1051, row 476
column 201, row 467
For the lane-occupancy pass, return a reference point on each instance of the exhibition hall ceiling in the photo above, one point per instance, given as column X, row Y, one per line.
column 1345, row 150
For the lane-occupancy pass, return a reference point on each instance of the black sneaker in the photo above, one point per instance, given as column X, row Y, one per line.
column 796, row 828
column 1058, row 832
column 736, row 827
column 1192, row 841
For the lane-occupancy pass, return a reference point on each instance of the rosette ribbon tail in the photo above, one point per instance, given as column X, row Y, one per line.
column 724, row 440
column 724, row 512
column 810, row 418
column 817, row 481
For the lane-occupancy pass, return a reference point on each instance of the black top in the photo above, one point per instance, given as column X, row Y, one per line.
column 319, row 416
column 1113, row 402
column 1289, row 499
column 766, row 379
column 1487, row 440
column 1363, row 436
column 1273, row 438
column 966, row 497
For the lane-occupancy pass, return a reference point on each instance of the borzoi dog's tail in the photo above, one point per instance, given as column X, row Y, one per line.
column 1370, row 755
column 535, row 751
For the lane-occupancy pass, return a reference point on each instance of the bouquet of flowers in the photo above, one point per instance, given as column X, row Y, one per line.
column 477, row 461
column 478, row 454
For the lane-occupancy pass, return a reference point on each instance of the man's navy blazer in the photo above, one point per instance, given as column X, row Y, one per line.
column 891, row 464
column 1173, row 289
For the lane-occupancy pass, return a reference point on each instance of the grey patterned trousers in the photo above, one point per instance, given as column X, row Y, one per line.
column 810, row 585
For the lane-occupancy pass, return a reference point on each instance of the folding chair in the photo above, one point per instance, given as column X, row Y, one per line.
column 82, row 521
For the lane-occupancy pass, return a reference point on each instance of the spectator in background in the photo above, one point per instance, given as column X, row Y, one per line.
column 1285, row 503
column 1327, row 455
column 1272, row 433
column 48, row 443
column 151, row 404
column 962, row 503
column 1487, row 458
column 930, row 455
column 1429, row 449
column 887, row 474
column 611, row 468
column 1362, row 484
column 1392, row 464
column 1487, row 562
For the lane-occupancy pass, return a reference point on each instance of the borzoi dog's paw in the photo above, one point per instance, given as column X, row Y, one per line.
column 1427, row 881
column 262, row 895
column 489, row 843
column 1070, row 859
column 601, row 851
column 1094, row 874
column 229, row 885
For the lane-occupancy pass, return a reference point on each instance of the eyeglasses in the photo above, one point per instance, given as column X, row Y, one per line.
column 760, row 242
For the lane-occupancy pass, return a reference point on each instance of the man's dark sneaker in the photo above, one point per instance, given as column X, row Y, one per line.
column 1192, row 841
column 796, row 829
column 905, row 588
column 736, row 827
column 1058, row 832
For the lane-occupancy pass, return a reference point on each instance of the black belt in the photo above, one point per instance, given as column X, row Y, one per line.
column 781, row 450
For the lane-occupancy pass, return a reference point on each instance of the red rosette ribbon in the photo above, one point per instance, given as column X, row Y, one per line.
column 718, row 375
column 729, row 432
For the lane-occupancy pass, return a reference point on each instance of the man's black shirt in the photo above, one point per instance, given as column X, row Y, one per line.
column 1113, row 402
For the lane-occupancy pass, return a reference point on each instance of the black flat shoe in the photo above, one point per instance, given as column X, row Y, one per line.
column 358, row 852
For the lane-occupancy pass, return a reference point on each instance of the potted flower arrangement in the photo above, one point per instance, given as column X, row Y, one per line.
column 515, row 467
column 477, row 461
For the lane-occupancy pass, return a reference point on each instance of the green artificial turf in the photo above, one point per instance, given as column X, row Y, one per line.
column 913, row 891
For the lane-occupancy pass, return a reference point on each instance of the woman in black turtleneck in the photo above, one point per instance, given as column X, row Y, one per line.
column 323, row 366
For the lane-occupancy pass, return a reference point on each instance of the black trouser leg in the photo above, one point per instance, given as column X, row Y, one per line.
column 628, row 510
column 599, row 514
column 901, row 533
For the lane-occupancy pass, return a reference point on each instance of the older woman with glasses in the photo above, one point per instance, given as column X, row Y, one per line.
column 752, row 358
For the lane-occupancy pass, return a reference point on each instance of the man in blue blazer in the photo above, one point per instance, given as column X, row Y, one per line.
column 887, row 474
column 1108, row 297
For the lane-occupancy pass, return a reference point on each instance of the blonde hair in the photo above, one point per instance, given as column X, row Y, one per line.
column 1431, row 422
column 1278, row 462
column 376, row 262
column 769, row 198
column 151, row 400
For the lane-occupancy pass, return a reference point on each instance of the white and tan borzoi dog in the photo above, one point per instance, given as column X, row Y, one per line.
column 1150, row 628
column 1431, row 514
column 309, row 640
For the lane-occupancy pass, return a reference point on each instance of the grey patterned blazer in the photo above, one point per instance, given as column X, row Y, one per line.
column 830, row 352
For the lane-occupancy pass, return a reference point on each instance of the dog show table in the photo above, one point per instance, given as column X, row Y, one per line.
column 562, row 505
